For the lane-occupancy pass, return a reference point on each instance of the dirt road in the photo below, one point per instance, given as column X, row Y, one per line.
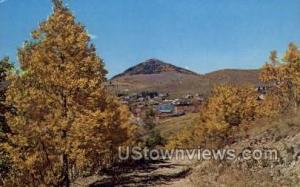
column 156, row 173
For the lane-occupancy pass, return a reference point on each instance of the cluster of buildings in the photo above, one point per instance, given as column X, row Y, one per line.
column 165, row 106
column 161, row 103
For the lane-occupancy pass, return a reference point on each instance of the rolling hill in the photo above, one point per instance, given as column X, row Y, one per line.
column 234, row 76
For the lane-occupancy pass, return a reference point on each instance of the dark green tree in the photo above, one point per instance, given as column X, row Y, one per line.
column 5, row 67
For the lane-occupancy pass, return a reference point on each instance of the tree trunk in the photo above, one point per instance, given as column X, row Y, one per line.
column 65, row 179
column 65, row 171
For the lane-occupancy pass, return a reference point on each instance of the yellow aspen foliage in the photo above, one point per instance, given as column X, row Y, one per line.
column 231, row 105
column 65, row 122
column 187, row 138
column 270, row 107
column 102, row 132
column 283, row 78
column 228, row 107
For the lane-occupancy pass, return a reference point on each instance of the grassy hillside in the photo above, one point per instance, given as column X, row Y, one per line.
column 179, row 84
column 171, row 126
column 234, row 76
column 176, row 84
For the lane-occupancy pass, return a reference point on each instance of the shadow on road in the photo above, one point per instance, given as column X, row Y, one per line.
column 144, row 173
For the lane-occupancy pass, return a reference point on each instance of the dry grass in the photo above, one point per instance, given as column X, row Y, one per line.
column 215, row 175
column 281, row 133
column 172, row 126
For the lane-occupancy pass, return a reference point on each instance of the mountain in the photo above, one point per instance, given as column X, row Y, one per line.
column 154, row 66
column 156, row 75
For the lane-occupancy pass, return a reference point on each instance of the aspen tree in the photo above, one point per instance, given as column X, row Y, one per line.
column 66, row 123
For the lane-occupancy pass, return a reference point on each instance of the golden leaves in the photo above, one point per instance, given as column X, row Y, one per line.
column 62, row 107
column 283, row 79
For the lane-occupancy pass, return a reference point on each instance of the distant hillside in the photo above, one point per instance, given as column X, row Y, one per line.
column 156, row 75
column 153, row 66
column 176, row 84
column 234, row 76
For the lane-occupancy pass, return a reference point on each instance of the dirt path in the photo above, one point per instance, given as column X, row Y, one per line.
column 159, row 173
column 182, row 180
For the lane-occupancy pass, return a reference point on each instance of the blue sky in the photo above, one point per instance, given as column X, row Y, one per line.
column 201, row 35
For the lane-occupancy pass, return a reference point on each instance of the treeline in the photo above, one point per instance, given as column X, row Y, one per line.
column 231, row 108
column 57, row 120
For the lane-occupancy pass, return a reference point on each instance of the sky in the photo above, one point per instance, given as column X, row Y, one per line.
column 200, row 35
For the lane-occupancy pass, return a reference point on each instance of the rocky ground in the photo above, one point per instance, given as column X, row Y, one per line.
column 282, row 135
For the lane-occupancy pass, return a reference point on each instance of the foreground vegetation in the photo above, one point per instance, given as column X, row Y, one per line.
column 64, row 123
